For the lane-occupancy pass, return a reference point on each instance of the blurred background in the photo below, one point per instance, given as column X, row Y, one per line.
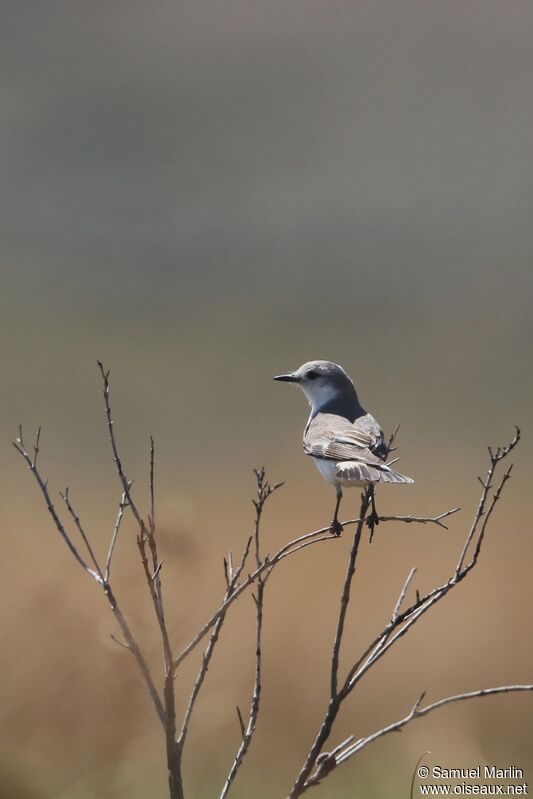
column 203, row 195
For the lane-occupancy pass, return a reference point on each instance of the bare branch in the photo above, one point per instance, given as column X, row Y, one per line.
column 352, row 746
column 345, row 596
column 231, row 576
column 77, row 522
column 36, row 444
column 43, row 486
column 413, row 519
column 152, row 489
column 421, row 519
column 316, row 765
column 418, row 712
column 486, row 517
column 264, row 491
column 322, row 534
column 402, row 594
column 384, row 641
column 126, row 484
column 146, row 538
column 131, row 643
column 501, row 453
column 392, row 439
column 256, row 695
column 335, row 699
column 303, row 545
column 120, row 515
column 266, row 565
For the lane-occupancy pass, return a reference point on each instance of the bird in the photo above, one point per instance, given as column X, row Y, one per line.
column 346, row 443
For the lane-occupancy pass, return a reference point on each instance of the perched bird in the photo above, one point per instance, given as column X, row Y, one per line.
column 345, row 442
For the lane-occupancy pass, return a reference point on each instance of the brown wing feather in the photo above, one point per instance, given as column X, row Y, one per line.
column 336, row 438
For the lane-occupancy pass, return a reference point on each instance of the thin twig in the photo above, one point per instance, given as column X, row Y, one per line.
column 146, row 532
column 322, row 534
column 43, row 486
column 120, row 643
column 351, row 746
column 120, row 516
column 146, row 542
column 268, row 563
column 264, row 491
column 421, row 519
column 415, row 772
column 77, row 522
column 241, row 721
column 152, row 482
column 402, row 594
column 232, row 576
column 345, row 596
column 335, row 699
column 131, row 643
column 392, row 439
column 126, row 484
column 418, row 712
column 249, row 730
column 384, row 641
column 495, row 458
column 135, row 650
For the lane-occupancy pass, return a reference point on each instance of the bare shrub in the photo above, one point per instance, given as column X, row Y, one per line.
column 239, row 577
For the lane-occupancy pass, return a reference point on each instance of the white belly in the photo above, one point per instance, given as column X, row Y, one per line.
column 328, row 469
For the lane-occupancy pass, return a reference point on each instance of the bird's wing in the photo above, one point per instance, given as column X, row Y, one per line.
column 336, row 438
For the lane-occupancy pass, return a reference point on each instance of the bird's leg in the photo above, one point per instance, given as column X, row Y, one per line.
column 373, row 518
column 336, row 526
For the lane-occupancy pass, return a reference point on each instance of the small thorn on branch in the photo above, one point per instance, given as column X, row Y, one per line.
column 120, row 643
column 241, row 722
column 226, row 572
column 418, row 703
column 36, row 447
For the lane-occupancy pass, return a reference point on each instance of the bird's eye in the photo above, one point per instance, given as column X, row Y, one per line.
column 312, row 375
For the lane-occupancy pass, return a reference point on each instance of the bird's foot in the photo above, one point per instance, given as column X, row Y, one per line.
column 372, row 521
column 336, row 527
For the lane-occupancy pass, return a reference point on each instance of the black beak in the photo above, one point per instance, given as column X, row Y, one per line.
column 288, row 378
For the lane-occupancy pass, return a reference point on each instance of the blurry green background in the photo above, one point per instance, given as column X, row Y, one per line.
column 204, row 194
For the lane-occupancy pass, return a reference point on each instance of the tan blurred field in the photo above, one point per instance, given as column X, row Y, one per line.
column 204, row 196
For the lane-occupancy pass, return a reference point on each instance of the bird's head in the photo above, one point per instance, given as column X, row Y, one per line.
column 322, row 382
